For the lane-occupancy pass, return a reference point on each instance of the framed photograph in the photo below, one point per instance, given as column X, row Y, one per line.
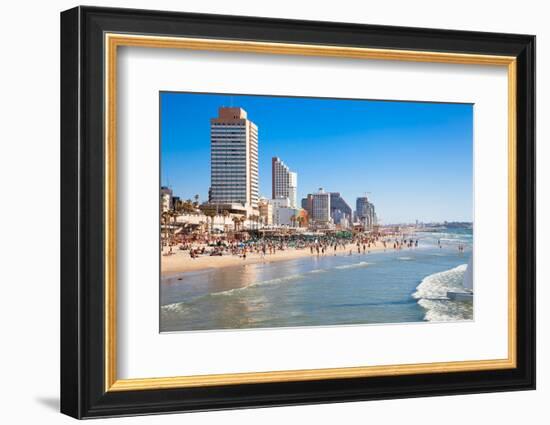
column 261, row 212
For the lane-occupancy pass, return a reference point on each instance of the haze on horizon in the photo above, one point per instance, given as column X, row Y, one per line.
column 414, row 160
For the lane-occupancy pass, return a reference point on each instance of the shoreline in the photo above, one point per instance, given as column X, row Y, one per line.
column 181, row 262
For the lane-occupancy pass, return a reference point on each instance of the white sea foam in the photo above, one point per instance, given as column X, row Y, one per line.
column 432, row 296
column 436, row 286
column 405, row 258
column 256, row 284
column 446, row 310
column 173, row 309
column 318, row 271
column 352, row 266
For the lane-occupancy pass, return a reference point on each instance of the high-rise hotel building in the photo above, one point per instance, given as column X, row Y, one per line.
column 320, row 207
column 284, row 182
column 234, row 159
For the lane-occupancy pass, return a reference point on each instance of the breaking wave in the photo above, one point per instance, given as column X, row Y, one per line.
column 432, row 296
column 261, row 283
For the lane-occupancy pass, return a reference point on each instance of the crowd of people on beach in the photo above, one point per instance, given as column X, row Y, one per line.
column 319, row 245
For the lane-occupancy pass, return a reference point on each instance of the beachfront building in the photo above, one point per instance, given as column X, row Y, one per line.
column 316, row 204
column 176, row 203
column 284, row 183
column 340, row 218
column 345, row 223
column 365, row 213
column 306, row 204
column 320, row 207
column 279, row 202
column 266, row 212
column 340, row 211
column 286, row 216
column 283, row 212
column 166, row 203
column 234, row 159
column 277, row 207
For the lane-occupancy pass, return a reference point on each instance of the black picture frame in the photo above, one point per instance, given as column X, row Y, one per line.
column 83, row 392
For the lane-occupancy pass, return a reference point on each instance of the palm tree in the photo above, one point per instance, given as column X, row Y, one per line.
column 211, row 214
column 300, row 220
column 166, row 218
column 225, row 215
column 236, row 221
column 188, row 206
column 254, row 219
column 203, row 226
column 174, row 214
column 293, row 220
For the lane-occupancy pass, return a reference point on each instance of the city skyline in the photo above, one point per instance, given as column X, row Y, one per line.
column 414, row 160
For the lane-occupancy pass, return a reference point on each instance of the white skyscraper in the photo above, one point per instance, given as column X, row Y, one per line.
column 284, row 183
column 234, row 158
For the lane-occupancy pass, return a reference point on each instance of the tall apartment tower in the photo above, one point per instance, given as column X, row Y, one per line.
column 365, row 212
column 284, row 183
column 234, row 158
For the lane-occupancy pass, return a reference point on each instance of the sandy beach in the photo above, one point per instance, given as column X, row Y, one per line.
column 181, row 262
column 404, row 285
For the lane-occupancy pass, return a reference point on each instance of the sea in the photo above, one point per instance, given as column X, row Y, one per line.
column 393, row 286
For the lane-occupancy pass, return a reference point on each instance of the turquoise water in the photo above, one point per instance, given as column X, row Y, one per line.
column 408, row 285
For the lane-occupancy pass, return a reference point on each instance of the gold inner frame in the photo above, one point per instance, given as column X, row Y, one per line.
column 113, row 41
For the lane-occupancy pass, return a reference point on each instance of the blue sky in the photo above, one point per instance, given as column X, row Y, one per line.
column 415, row 158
